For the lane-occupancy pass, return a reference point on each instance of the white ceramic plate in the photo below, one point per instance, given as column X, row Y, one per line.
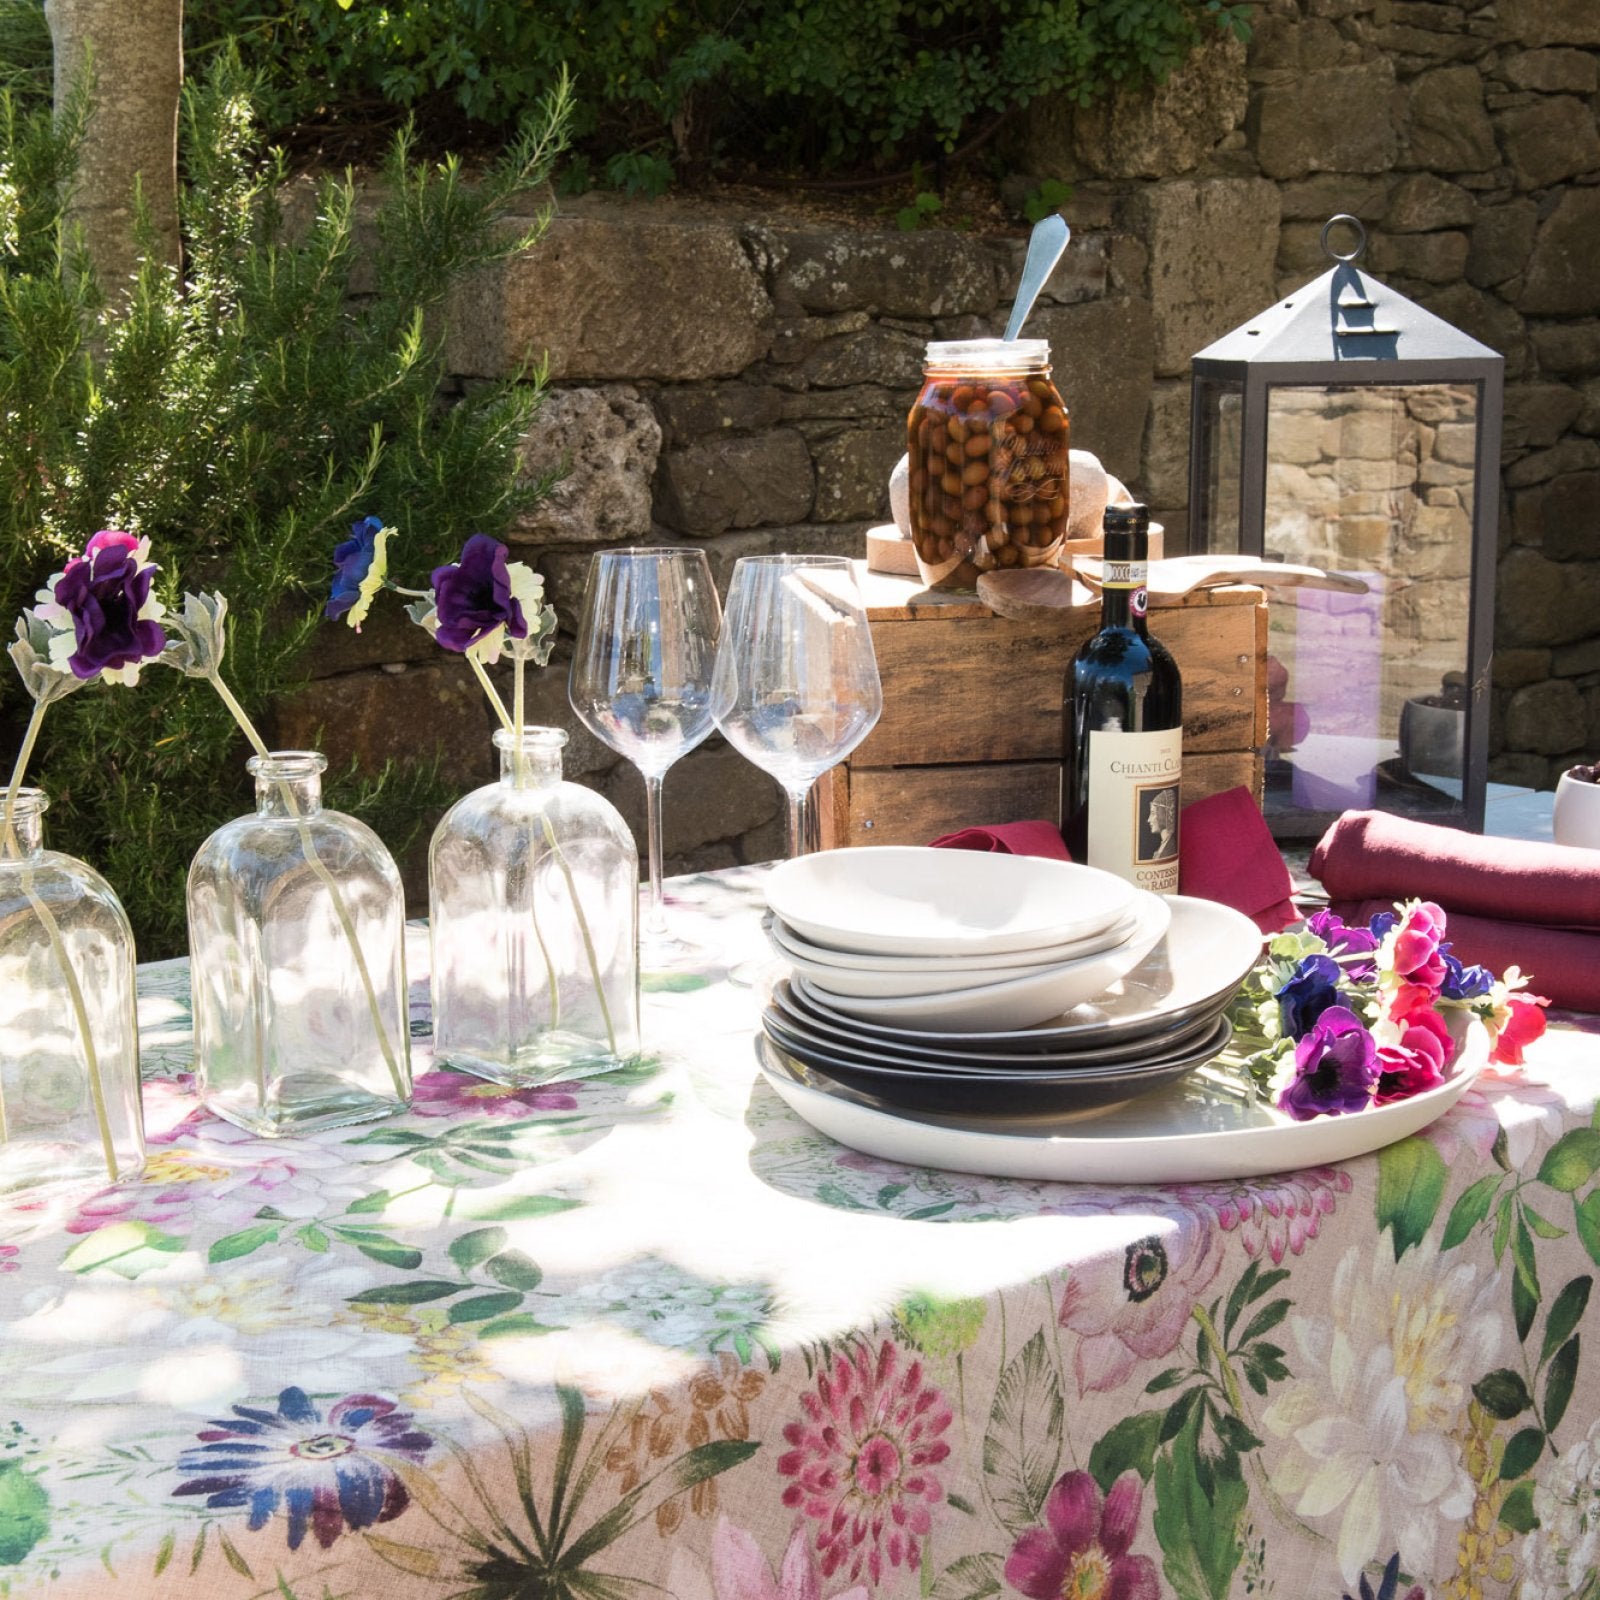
column 1189, row 1132
column 835, row 980
column 910, row 901
column 792, row 944
column 1207, row 952
column 1016, row 1002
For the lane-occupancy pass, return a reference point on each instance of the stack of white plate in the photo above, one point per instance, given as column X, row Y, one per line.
column 964, row 982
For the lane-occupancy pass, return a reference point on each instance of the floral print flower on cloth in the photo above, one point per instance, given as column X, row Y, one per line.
column 861, row 1460
column 104, row 619
column 1563, row 1552
column 1081, row 1552
column 446, row 1093
column 326, row 1472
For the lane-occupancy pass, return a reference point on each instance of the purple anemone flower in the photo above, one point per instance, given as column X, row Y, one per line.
column 103, row 597
column 474, row 598
column 1336, row 1068
column 1343, row 940
column 1313, row 988
column 358, row 571
column 329, row 1473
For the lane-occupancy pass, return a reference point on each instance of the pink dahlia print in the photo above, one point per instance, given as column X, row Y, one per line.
column 1082, row 1549
column 861, row 1461
column 1274, row 1217
column 1131, row 1302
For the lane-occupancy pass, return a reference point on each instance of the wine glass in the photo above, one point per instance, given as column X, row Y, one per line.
column 641, row 682
column 796, row 687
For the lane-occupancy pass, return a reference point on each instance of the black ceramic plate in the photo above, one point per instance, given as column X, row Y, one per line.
column 1021, row 1092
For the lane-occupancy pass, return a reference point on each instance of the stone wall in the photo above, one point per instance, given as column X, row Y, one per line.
column 739, row 379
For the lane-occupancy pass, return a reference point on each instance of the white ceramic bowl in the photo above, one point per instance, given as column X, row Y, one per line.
column 1018, row 1002
column 1576, row 817
column 905, row 900
column 875, row 985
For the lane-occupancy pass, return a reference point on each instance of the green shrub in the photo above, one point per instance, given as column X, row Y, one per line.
column 241, row 420
column 825, row 84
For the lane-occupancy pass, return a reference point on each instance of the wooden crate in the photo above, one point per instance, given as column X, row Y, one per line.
column 972, row 709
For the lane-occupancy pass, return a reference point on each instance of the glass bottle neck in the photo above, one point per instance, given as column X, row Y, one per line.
column 539, row 750
column 288, row 783
column 1122, row 605
column 27, row 825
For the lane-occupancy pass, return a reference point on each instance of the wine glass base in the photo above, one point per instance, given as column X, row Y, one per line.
column 670, row 952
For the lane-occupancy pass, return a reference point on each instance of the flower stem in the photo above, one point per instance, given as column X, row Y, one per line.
column 29, row 738
column 326, row 878
column 583, row 929
column 518, row 718
column 497, row 704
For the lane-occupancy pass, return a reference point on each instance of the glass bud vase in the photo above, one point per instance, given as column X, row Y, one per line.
column 297, row 962
column 533, row 909
column 69, row 1040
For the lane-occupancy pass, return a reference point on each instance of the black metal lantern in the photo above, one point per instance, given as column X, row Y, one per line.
column 1347, row 428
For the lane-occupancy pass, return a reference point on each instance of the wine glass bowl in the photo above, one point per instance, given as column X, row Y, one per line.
column 641, row 683
column 795, row 687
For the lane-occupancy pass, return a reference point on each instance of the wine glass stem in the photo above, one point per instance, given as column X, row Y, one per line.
column 799, row 843
column 655, row 916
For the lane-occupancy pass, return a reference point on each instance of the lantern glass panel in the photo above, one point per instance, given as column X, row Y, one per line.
column 1368, row 690
column 1219, row 442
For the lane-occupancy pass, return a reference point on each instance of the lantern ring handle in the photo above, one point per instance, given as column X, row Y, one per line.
column 1361, row 237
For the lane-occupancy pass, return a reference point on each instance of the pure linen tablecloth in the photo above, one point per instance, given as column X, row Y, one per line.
column 653, row 1335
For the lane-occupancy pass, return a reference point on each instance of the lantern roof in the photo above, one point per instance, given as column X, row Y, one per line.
column 1344, row 317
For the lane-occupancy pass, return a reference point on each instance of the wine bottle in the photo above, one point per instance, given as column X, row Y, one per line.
column 1123, row 717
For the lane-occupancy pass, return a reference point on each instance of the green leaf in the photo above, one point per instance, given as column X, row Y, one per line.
column 1522, row 1450
column 1572, row 1160
column 520, row 1325
column 514, row 1270
column 405, row 1294
column 1587, row 1213
column 1170, row 1379
column 404, row 1256
column 1469, row 1210
column 1199, row 1501
column 970, row 1578
column 1524, row 1307
column 481, row 1206
column 472, row 1249
column 312, row 1237
column 1516, row 1510
column 243, row 1242
column 24, row 1514
column 164, row 1551
column 377, row 1201
column 1131, row 1444
column 1502, row 1225
column 1565, row 1315
column 1265, row 1320
column 235, row 1560
column 125, row 1248
column 1239, row 1298
column 1541, row 1225
column 1022, row 1446
column 1179, row 1413
column 1503, row 1394
column 1558, row 1382
column 1411, row 1179
column 481, row 1307
column 1233, row 1433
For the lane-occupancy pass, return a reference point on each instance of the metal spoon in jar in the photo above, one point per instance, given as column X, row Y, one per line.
column 1050, row 235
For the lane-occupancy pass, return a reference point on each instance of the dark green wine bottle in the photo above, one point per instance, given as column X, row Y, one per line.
column 1123, row 725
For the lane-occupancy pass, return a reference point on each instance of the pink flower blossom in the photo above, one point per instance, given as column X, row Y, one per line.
column 1132, row 1303
column 1082, row 1550
column 1416, row 1060
column 450, row 1094
column 1275, row 1216
column 1416, row 955
column 8, row 1261
column 861, row 1461
column 1525, row 1023
column 739, row 1571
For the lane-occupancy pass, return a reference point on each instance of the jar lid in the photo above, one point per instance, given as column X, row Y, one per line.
column 988, row 355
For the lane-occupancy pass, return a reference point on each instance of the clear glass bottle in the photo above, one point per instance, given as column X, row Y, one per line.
column 297, row 961
column 70, row 1110
column 533, row 911
column 988, row 445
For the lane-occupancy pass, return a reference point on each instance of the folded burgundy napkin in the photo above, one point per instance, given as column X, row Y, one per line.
column 1563, row 965
column 1009, row 839
column 1368, row 855
column 1225, row 853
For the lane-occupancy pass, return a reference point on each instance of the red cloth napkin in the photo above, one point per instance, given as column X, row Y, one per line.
column 1225, row 853
column 1563, row 966
column 1370, row 855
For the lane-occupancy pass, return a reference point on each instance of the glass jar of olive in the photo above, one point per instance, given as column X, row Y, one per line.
column 988, row 448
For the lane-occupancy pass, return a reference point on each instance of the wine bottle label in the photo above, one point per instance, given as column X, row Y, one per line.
column 1125, row 574
column 1133, row 806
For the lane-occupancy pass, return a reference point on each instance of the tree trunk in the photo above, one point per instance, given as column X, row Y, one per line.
column 134, row 48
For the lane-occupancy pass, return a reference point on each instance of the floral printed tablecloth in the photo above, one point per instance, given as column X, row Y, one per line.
column 651, row 1335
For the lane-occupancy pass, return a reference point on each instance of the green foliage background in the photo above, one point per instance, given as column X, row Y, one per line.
column 825, row 83
column 240, row 419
